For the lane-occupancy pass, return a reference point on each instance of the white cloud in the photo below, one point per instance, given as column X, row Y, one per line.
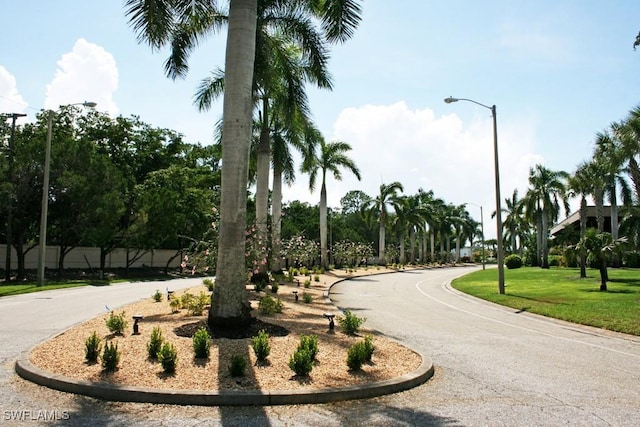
column 10, row 99
column 443, row 154
column 87, row 73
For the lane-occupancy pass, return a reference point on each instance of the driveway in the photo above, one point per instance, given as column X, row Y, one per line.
column 494, row 366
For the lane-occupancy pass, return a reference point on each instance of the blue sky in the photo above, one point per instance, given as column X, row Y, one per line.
column 558, row 72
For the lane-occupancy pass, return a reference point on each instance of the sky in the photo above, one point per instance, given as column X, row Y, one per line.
column 558, row 72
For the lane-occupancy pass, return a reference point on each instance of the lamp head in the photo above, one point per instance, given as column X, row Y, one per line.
column 89, row 104
column 450, row 99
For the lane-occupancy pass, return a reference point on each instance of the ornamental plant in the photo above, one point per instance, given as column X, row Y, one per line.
column 201, row 343
column 110, row 357
column 238, row 366
column 92, row 347
column 350, row 323
column 168, row 357
column 261, row 346
column 116, row 323
column 155, row 343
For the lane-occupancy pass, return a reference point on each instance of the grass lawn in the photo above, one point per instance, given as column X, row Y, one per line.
column 25, row 288
column 560, row 293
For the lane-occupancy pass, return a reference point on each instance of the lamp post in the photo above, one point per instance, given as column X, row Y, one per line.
column 42, row 244
column 7, row 267
column 500, row 254
column 482, row 234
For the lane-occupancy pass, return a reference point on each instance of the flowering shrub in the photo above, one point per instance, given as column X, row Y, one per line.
column 256, row 250
column 202, row 254
column 349, row 253
column 300, row 251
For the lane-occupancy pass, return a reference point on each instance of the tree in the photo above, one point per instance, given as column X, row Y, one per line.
column 331, row 158
column 546, row 193
column 601, row 247
column 378, row 206
column 580, row 185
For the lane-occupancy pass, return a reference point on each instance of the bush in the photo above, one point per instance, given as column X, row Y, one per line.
column 269, row 305
column 175, row 305
column 307, row 283
column 350, row 323
column 110, row 357
column 301, row 362
column 201, row 343
column 116, row 323
column 307, row 298
column 309, row 343
column 274, row 288
column 261, row 346
column 209, row 283
column 157, row 297
column 194, row 304
column 168, row 357
column 356, row 356
column 368, row 348
column 554, row 261
column 238, row 366
column 513, row 261
column 92, row 347
column 260, row 281
column 155, row 343
column 316, row 278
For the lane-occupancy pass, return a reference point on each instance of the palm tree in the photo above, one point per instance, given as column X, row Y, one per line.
column 627, row 139
column 580, row 185
column 514, row 214
column 331, row 158
column 378, row 206
column 546, row 193
column 182, row 25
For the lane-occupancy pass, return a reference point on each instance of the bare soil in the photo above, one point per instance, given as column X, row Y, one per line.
column 64, row 354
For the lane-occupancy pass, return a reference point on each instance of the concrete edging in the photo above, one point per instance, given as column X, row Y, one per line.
column 25, row 369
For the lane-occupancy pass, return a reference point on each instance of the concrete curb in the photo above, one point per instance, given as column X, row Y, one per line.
column 25, row 369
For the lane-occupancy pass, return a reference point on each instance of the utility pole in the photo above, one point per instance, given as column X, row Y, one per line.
column 7, row 265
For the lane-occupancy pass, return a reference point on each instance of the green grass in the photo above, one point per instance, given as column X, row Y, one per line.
column 560, row 293
column 25, row 288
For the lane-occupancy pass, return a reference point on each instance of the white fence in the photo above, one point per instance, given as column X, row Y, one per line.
column 87, row 257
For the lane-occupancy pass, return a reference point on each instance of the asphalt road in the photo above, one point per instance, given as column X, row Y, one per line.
column 494, row 366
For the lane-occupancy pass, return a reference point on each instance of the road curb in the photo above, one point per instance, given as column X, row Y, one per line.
column 25, row 369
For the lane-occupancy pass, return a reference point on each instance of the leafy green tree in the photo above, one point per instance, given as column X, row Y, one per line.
column 601, row 247
column 379, row 205
column 580, row 185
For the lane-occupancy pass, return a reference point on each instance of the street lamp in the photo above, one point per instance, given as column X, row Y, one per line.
column 42, row 244
column 500, row 254
column 482, row 234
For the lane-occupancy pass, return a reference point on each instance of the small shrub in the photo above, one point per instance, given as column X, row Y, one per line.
column 369, row 348
column 554, row 261
column 157, row 297
column 194, row 304
column 356, row 356
column 304, row 271
column 274, row 288
column 168, row 357
column 261, row 346
column 92, row 347
column 201, row 343
column 116, row 323
column 307, row 283
column 270, row 305
column 301, row 362
column 260, row 281
column 209, row 283
column 310, row 344
column 307, row 297
column 316, row 278
column 237, row 366
column 110, row 357
column 350, row 323
column 155, row 343
column 513, row 261
column 175, row 305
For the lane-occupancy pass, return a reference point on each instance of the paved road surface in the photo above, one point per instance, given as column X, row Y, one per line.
column 494, row 366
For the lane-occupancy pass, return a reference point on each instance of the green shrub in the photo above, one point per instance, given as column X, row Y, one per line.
column 301, row 362
column 260, row 281
column 554, row 261
column 116, row 323
column 274, row 288
column 175, row 305
column 316, row 278
column 307, row 298
column 209, row 283
column 307, row 283
column 269, row 305
column 369, row 348
column 92, row 347
column 261, row 346
column 201, row 343
column 155, row 343
column 356, row 356
column 110, row 357
column 168, row 357
column 350, row 323
column 310, row 344
column 157, row 297
column 513, row 261
column 304, row 271
column 194, row 304
column 237, row 366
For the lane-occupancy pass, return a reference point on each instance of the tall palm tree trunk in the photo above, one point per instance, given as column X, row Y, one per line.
column 382, row 239
column 262, row 185
column 276, row 218
column 229, row 302
column 324, row 258
column 544, row 240
column 583, row 230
